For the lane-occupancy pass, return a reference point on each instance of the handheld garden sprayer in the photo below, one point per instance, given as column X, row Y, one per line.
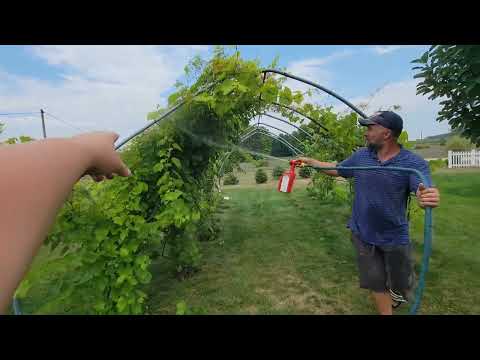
column 285, row 183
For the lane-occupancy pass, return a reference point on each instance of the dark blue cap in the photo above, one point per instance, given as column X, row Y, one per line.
column 387, row 119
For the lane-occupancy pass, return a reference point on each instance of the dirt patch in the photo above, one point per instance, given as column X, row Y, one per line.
column 251, row 310
column 293, row 293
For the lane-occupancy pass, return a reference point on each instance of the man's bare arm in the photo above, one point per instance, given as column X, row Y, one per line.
column 316, row 163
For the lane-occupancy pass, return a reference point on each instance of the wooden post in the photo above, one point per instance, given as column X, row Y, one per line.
column 43, row 123
column 449, row 159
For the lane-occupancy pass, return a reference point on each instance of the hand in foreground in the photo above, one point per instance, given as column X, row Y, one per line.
column 103, row 159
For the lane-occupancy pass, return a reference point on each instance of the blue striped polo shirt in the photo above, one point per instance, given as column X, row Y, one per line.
column 379, row 207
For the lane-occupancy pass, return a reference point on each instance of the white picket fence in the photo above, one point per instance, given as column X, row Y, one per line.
column 463, row 159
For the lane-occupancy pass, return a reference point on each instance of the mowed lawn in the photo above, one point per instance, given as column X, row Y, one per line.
column 289, row 254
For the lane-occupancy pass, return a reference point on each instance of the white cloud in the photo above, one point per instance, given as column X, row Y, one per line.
column 382, row 50
column 314, row 69
column 418, row 112
column 101, row 87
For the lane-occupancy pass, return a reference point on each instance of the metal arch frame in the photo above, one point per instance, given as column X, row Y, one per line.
column 163, row 116
column 248, row 130
column 320, row 87
column 286, row 122
column 256, row 129
column 266, row 133
column 176, row 107
column 283, row 131
column 328, row 138
column 250, row 134
column 300, row 113
column 275, row 137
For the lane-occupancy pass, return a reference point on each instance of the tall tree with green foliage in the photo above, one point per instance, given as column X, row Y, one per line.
column 452, row 73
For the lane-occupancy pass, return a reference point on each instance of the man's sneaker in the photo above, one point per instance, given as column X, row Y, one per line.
column 397, row 299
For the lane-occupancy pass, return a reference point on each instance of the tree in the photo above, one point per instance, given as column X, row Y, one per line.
column 259, row 142
column 452, row 74
column 403, row 139
column 21, row 139
column 279, row 149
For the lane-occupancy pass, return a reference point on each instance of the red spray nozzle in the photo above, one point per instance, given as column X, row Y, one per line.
column 296, row 163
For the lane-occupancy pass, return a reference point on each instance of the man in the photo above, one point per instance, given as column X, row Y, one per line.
column 378, row 223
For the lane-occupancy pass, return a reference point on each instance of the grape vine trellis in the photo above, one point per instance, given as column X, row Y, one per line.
column 110, row 232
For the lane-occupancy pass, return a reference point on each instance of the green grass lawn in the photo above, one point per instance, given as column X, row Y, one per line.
column 288, row 254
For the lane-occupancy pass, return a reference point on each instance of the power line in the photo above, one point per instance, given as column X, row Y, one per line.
column 15, row 114
column 25, row 117
column 63, row 121
column 18, row 113
column 28, row 116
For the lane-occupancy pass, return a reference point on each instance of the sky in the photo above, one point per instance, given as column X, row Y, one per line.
column 101, row 87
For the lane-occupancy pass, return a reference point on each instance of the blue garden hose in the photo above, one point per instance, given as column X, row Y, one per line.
column 16, row 307
column 427, row 225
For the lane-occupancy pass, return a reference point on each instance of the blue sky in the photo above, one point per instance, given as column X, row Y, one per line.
column 113, row 87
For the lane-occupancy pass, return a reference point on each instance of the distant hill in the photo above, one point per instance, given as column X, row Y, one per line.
column 438, row 138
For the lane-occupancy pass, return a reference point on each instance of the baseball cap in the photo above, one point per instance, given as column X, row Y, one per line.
column 387, row 119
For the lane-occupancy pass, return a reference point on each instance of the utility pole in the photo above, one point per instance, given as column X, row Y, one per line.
column 43, row 123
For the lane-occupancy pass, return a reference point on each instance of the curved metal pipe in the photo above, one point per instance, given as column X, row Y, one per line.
column 163, row 116
column 243, row 138
column 249, row 131
column 300, row 113
column 266, row 133
column 283, row 141
column 285, row 132
column 320, row 87
column 286, row 122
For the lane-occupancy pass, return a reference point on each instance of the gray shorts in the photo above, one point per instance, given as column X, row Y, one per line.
column 384, row 267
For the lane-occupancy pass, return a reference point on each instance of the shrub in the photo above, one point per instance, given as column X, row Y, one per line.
column 277, row 172
column 457, row 143
column 230, row 179
column 261, row 176
column 420, row 146
column 261, row 163
column 305, row 172
column 437, row 164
